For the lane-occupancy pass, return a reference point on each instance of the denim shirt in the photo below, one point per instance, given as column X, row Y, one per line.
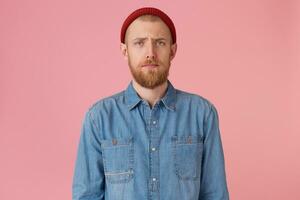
column 130, row 151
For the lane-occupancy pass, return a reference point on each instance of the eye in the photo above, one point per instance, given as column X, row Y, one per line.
column 161, row 43
column 138, row 43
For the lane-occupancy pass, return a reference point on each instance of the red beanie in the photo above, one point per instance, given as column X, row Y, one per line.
column 148, row 10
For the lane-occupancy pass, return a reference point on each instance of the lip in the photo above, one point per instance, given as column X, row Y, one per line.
column 150, row 65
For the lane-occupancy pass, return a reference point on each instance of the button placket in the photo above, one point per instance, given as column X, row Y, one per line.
column 153, row 150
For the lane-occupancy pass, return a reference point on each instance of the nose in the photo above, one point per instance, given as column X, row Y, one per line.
column 152, row 57
column 151, row 52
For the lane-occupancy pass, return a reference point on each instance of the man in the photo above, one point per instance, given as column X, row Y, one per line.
column 150, row 141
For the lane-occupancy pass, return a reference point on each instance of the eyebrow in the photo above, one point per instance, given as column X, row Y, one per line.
column 146, row 38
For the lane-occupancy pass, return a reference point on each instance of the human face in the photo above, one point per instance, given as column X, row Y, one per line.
column 149, row 52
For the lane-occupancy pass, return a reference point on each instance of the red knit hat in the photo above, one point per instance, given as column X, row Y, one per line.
column 148, row 10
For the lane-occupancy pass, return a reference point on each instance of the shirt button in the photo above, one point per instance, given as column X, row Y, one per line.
column 154, row 122
column 153, row 179
column 153, row 149
column 114, row 141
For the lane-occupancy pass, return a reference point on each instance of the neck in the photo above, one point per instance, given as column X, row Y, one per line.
column 150, row 95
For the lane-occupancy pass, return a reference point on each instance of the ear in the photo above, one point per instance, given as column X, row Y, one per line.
column 124, row 51
column 173, row 51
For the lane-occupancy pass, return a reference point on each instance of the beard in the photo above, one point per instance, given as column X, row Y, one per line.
column 149, row 78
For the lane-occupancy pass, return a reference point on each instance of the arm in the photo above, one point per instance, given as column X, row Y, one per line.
column 88, row 178
column 213, row 179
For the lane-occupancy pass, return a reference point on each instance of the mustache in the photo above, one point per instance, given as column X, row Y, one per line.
column 150, row 62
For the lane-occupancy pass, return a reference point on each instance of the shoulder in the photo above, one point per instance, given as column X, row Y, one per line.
column 105, row 102
column 194, row 98
column 199, row 102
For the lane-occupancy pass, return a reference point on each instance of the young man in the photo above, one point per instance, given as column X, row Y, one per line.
column 150, row 141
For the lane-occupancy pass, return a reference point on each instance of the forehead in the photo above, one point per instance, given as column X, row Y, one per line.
column 146, row 28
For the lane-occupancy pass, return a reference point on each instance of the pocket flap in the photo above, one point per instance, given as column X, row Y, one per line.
column 116, row 142
column 186, row 139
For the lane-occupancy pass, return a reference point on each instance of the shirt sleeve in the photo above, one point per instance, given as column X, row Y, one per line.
column 88, row 177
column 213, row 179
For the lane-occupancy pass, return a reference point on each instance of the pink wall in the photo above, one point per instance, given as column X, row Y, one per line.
column 59, row 56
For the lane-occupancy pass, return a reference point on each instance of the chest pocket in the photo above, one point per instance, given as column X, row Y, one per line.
column 187, row 156
column 118, row 159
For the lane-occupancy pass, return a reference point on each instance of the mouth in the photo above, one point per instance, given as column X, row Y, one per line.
column 150, row 65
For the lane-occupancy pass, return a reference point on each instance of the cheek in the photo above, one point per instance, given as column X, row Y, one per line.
column 134, row 60
column 164, row 54
column 165, row 58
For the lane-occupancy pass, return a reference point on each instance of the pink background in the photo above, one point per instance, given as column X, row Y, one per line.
column 59, row 56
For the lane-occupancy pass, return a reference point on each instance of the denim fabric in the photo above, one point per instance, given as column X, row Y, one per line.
column 130, row 151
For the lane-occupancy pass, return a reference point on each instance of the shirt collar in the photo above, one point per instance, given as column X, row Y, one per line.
column 168, row 100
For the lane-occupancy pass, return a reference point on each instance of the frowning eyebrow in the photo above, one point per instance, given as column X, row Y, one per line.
column 142, row 39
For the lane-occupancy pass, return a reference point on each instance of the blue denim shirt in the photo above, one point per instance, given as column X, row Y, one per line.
column 130, row 151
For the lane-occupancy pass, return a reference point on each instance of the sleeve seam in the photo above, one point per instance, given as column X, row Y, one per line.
column 93, row 120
